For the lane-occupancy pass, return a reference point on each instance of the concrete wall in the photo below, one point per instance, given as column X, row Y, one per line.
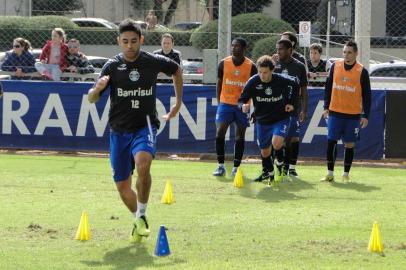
column 14, row 7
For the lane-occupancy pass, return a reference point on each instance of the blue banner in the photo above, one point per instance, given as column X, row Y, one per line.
column 57, row 116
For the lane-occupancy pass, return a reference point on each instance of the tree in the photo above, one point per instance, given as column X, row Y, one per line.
column 165, row 17
column 239, row 7
column 55, row 7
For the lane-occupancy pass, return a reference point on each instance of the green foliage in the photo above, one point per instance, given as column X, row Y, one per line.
column 264, row 46
column 38, row 30
column 252, row 26
column 55, row 7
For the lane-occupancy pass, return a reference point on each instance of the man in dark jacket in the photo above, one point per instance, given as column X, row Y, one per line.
column 77, row 61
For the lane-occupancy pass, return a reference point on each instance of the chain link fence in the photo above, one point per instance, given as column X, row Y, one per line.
column 194, row 25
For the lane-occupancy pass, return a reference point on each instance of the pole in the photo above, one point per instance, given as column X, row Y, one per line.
column 328, row 30
column 224, row 29
column 363, row 30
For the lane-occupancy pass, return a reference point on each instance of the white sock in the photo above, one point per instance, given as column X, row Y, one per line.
column 292, row 167
column 345, row 173
column 272, row 173
column 141, row 209
column 330, row 173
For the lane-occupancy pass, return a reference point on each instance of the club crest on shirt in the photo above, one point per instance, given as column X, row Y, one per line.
column 344, row 79
column 236, row 72
column 285, row 72
column 268, row 91
column 122, row 67
column 134, row 75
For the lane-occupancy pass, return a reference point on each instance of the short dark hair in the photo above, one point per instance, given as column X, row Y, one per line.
column 265, row 61
column 353, row 44
column 292, row 37
column 241, row 41
column 168, row 35
column 285, row 43
column 316, row 46
column 129, row 25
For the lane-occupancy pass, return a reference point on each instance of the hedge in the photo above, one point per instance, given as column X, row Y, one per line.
column 248, row 25
column 265, row 46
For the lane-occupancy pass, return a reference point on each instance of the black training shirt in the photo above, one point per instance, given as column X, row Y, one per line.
column 133, row 89
column 270, row 98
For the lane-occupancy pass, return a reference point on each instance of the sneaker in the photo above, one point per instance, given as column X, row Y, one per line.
column 346, row 178
column 292, row 172
column 279, row 174
column 264, row 176
column 220, row 171
column 327, row 178
column 141, row 226
column 135, row 237
column 234, row 171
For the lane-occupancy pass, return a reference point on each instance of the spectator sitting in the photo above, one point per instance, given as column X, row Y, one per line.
column 20, row 59
column 53, row 56
column 77, row 61
column 167, row 43
column 151, row 20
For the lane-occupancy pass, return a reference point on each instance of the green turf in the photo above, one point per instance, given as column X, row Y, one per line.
column 212, row 225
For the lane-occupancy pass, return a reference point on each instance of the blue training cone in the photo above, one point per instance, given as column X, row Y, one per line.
column 162, row 245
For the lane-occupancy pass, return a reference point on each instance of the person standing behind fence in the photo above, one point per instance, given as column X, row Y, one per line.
column 233, row 73
column 76, row 60
column 167, row 43
column 347, row 102
column 317, row 67
column 131, row 77
column 20, row 60
column 53, row 56
column 151, row 20
column 273, row 96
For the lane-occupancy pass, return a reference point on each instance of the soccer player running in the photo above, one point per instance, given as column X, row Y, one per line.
column 233, row 73
column 273, row 96
column 289, row 66
column 131, row 77
column 347, row 102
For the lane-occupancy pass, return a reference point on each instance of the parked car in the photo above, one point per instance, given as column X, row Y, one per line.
column 94, row 22
column 192, row 66
column 185, row 26
column 389, row 69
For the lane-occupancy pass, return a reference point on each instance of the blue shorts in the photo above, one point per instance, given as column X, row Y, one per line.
column 227, row 113
column 294, row 128
column 266, row 132
column 124, row 146
column 343, row 128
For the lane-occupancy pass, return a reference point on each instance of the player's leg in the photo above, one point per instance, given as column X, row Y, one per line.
column 280, row 132
column 143, row 150
column 334, row 131
column 221, row 130
column 351, row 135
column 264, row 140
column 242, row 122
column 292, row 147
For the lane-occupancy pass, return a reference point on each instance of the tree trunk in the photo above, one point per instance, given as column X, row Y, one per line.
column 170, row 12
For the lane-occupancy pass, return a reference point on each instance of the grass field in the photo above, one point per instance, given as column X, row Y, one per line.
column 303, row 224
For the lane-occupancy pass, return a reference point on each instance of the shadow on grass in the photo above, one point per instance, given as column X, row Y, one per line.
column 131, row 257
column 355, row 186
column 282, row 192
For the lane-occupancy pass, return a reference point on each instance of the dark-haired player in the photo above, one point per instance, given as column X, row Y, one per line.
column 131, row 77
column 233, row 73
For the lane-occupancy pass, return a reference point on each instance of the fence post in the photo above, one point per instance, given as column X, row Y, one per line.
column 224, row 29
column 363, row 30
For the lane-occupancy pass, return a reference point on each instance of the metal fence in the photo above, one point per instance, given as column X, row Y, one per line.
column 261, row 22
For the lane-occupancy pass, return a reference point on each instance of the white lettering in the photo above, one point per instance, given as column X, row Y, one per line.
column 99, row 124
column 271, row 99
column 135, row 103
column 160, row 108
column 134, row 92
column 234, row 83
column 197, row 128
column 347, row 88
column 10, row 116
column 53, row 102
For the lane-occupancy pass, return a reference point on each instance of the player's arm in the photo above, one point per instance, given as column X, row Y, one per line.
column 219, row 86
column 100, row 85
column 178, row 85
column 243, row 101
column 327, row 91
column 366, row 97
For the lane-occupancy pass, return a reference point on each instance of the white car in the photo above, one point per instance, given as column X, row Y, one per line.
column 395, row 69
column 94, row 22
